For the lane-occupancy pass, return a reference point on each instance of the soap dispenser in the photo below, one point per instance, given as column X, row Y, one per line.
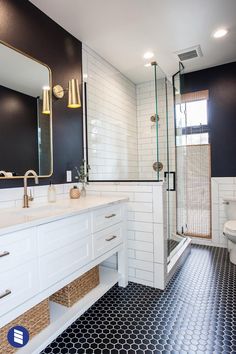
column 51, row 193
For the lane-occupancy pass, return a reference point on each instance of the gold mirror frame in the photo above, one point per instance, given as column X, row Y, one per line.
column 51, row 135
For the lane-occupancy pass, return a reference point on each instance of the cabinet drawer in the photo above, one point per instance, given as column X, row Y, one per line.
column 105, row 240
column 106, row 217
column 18, row 285
column 58, row 234
column 17, row 248
column 59, row 264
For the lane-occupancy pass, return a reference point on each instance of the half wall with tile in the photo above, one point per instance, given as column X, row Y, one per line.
column 147, row 236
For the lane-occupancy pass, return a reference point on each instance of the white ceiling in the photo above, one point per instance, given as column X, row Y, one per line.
column 122, row 30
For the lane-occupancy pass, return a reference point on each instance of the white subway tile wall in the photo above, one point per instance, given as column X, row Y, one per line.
column 145, row 227
column 147, row 141
column 112, row 124
column 122, row 140
column 220, row 187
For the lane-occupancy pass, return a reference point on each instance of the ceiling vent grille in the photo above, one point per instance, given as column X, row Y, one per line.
column 189, row 53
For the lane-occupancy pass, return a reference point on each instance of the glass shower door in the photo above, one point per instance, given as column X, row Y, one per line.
column 193, row 161
column 175, row 122
column 166, row 154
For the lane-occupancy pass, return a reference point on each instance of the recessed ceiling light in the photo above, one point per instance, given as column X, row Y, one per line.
column 220, row 33
column 148, row 55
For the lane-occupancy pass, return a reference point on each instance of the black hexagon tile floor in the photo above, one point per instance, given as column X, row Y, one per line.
column 195, row 314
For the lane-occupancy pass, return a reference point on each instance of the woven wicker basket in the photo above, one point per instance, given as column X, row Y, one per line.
column 77, row 289
column 35, row 320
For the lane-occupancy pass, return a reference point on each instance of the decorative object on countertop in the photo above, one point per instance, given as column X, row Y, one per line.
column 82, row 176
column 51, row 193
column 35, row 320
column 74, row 193
column 83, row 191
column 77, row 289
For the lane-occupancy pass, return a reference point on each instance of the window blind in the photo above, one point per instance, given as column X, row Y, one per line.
column 194, row 96
column 194, row 191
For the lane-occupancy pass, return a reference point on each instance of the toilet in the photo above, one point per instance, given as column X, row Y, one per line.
column 230, row 227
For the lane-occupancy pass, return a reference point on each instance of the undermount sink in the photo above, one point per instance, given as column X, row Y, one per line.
column 41, row 210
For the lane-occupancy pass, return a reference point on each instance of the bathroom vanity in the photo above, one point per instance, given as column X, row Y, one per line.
column 44, row 248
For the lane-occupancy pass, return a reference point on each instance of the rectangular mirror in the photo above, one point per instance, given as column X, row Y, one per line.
column 25, row 125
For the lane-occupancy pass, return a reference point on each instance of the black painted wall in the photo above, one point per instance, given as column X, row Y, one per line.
column 18, row 127
column 221, row 83
column 25, row 27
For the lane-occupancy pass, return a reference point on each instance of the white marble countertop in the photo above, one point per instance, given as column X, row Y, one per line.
column 15, row 219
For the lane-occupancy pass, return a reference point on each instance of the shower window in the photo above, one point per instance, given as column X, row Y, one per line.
column 193, row 124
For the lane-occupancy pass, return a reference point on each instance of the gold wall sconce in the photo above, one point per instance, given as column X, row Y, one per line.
column 73, row 93
column 46, row 100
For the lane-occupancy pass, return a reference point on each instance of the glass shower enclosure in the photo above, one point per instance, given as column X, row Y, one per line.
column 131, row 133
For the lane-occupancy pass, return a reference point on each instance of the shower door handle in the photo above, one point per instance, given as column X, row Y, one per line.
column 172, row 184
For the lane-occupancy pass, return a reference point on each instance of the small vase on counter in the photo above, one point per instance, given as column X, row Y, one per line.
column 74, row 193
column 82, row 174
column 83, row 191
column 51, row 193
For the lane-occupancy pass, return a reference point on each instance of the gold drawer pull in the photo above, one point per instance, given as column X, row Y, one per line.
column 4, row 254
column 111, row 238
column 110, row 216
column 6, row 292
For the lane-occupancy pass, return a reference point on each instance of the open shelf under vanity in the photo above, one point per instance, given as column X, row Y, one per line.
column 62, row 317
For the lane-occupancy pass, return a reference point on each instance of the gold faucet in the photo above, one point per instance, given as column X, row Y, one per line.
column 27, row 198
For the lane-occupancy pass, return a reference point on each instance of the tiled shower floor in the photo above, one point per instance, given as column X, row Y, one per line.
column 195, row 314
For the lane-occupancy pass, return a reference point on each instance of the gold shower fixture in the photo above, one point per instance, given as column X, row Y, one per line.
column 157, row 166
column 153, row 118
